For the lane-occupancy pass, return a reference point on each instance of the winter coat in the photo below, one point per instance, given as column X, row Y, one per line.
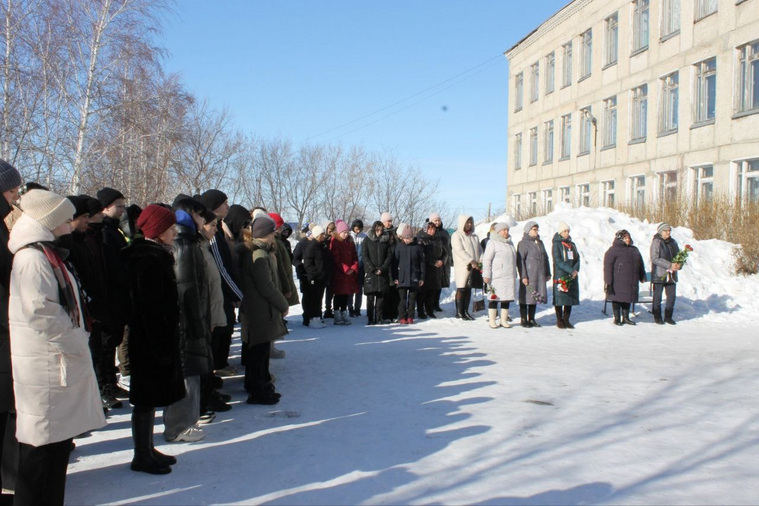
column 358, row 240
column 300, row 269
column 499, row 264
column 445, row 238
column 263, row 303
column 344, row 259
column 117, row 274
column 154, row 359
column 566, row 259
column 285, row 271
column 532, row 263
column 194, row 304
column 87, row 258
column 662, row 253
column 433, row 251
column 226, row 263
column 408, row 266
column 215, row 292
column 377, row 257
column 623, row 270
column 57, row 395
column 6, row 262
column 317, row 262
column 466, row 249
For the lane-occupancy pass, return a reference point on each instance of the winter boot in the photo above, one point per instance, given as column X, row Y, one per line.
column 465, row 308
column 567, row 312
column 346, row 318
column 531, row 309
column 505, row 318
column 162, row 458
column 370, row 317
column 626, row 317
column 460, row 304
column 616, row 310
column 668, row 317
column 559, row 316
column 523, row 315
column 657, row 315
column 144, row 461
column 491, row 318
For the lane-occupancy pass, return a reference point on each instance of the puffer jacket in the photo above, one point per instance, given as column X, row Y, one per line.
column 317, row 262
column 57, row 395
column 378, row 256
column 408, row 264
column 662, row 253
column 466, row 249
column 6, row 262
column 499, row 265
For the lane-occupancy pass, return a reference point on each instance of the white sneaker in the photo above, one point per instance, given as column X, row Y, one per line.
column 227, row 371
column 316, row 324
column 276, row 353
column 190, row 435
column 124, row 381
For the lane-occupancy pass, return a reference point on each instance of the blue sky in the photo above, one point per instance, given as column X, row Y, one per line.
column 297, row 69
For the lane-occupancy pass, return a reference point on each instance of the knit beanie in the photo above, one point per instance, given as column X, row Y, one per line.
column 155, row 220
column 179, row 198
column 317, row 231
column 386, row 217
column 48, row 208
column 93, row 204
column 278, row 221
column 501, row 226
column 341, row 226
column 107, row 196
column 9, row 176
column 237, row 219
column 213, row 199
column 561, row 227
column 435, row 216
column 404, row 231
column 528, row 226
column 81, row 204
column 663, row 227
column 262, row 226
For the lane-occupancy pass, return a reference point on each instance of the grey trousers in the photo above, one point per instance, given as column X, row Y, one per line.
column 183, row 414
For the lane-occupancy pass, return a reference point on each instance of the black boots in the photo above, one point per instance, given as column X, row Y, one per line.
column 531, row 308
column 559, row 317
column 371, row 318
column 146, row 458
column 462, row 304
column 616, row 310
column 668, row 317
column 657, row 316
column 467, row 300
column 626, row 317
column 525, row 322
column 567, row 313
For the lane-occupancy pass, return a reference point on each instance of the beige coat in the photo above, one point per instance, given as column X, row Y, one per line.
column 466, row 248
column 57, row 395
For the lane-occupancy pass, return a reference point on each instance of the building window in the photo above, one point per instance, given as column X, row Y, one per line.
column 535, row 81
column 586, row 130
column 640, row 25
column 748, row 78
column 518, row 92
column 612, row 39
column 607, row 193
column 668, row 187
column 566, row 136
column 566, row 64
column 517, row 205
column 669, row 103
column 547, row 201
column 534, row 146
column 518, row 151
column 532, row 199
column 583, row 194
column 704, row 8
column 610, row 122
column 670, row 17
column 550, row 71
column 548, row 142
column 639, row 112
column 564, row 195
column 637, row 196
column 706, row 90
column 586, row 56
column 748, row 180
column 704, row 183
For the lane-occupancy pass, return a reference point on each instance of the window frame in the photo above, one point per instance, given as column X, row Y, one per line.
column 586, row 130
column 639, row 113
column 518, row 151
column 669, row 103
column 611, row 32
column 550, row 72
column 566, row 64
column 548, row 139
column 747, row 95
column 670, row 19
column 582, row 194
column 704, row 8
column 610, row 122
column 566, row 137
column 705, row 91
column 586, row 54
column 641, row 29
column 533, row 146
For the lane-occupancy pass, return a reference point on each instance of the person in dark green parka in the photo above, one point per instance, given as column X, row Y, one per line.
column 566, row 264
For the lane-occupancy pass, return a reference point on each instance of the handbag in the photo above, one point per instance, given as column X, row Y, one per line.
column 475, row 279
column 478, row 302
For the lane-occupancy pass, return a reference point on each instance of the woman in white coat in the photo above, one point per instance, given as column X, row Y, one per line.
column 499, row 271
column 57, row 395
column 466, row 256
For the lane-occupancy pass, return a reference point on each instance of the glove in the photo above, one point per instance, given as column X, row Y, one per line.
column 609, row 290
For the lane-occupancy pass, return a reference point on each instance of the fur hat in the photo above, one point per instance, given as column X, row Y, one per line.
column 107, row 196
column 341, row 226
column 262, row 226
column 561, row 227
column 528, row 226
column 213, row 199
column 663, row 227
column 155, row 220
column 9, row 177
column 48, row 208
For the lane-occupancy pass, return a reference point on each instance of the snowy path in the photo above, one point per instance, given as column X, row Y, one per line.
column 456, row 413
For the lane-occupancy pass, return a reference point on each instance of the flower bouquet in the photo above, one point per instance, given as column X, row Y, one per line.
column 536, row 295
column 563, row 283
column 680, row 258
column 491, row 293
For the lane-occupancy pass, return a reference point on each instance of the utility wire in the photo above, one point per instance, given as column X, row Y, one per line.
column 488, row 63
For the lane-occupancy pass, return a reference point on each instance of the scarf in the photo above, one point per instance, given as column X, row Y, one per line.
column 66, row 286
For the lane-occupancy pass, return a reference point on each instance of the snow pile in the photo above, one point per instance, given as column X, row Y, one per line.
column 707, row 283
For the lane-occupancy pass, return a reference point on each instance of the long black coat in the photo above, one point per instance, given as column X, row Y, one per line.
column 317, row 261
column 86, row 255
column 408, row 264
column 194, row 304
column 377, row 255
column 6, row 262
column 118, row 275
column 623, row 270
column 300, row 269
column 445, row 238
column 434, row 250
column 154, row 358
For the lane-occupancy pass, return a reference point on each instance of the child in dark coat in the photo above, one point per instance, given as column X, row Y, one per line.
column 408, row 272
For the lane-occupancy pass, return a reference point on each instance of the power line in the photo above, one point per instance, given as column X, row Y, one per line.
column 489, row 64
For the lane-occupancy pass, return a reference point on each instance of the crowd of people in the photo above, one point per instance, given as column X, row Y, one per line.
column 104, row 302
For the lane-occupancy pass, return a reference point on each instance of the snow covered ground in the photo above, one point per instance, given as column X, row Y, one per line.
column 453, row 412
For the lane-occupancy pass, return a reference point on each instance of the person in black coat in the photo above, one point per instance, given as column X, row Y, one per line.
column 317, row 262
column 156, row 373
column 435, row 256
column 623, row 270
column 445, row 238
column 300, row 271
column 377, row 259
column 408, row 272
